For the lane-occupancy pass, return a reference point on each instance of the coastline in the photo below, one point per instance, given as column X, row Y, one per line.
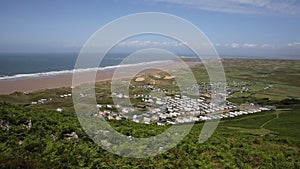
column 32, row 84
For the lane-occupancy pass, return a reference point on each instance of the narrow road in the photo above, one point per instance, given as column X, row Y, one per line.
column 265, row 123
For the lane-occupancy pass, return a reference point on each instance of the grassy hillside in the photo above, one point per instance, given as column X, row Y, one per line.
column 268, row 139
column 44, row 145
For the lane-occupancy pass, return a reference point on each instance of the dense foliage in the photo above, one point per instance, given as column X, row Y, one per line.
column 43, row 145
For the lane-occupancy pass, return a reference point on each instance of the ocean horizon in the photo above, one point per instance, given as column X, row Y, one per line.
column 22, row 65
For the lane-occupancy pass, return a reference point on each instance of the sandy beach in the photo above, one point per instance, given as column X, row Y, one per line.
column 65, row 80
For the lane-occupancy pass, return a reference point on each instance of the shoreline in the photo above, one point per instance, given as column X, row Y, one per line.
column 32, row 84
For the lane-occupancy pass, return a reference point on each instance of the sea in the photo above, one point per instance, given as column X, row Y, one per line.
column 30, row 65
column 27, row 65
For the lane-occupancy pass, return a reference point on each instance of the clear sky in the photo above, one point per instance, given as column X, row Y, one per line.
column 236, row 27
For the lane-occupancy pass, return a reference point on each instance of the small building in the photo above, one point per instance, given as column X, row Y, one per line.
column 160, row 123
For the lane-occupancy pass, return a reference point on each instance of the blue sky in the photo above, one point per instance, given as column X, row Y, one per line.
column 236, row 27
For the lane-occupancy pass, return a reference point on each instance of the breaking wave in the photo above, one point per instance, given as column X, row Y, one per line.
column 64, row 72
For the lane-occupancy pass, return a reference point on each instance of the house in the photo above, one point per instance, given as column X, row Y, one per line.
column 163, row 116
column 154, row 118
column 195, row 119
column 159, row 102
column 118, row 118
column 150, row 101
column 141, row 106
column 136, row 120
column 170, row 122
column 179, row 120
column 160, row 123
column 146, row 120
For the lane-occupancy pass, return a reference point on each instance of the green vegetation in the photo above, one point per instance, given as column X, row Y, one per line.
column 35, row 148
column 263, row 140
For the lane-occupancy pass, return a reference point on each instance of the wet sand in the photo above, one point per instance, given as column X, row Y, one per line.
column 65, row 80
